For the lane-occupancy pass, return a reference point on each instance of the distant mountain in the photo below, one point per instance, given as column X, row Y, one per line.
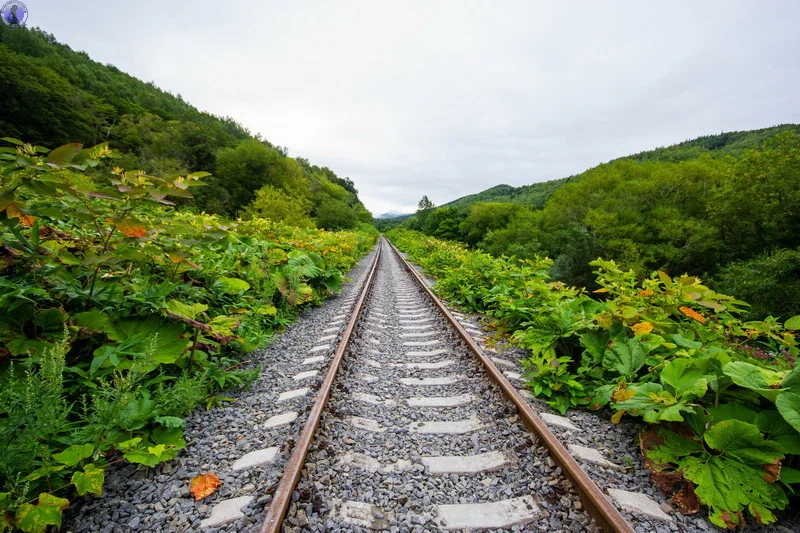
column 724, row 144
column 394, row 214
column 535, row 194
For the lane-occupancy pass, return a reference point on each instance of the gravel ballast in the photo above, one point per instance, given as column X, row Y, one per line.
column 158, row 499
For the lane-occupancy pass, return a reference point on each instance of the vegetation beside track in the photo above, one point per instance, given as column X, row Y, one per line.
column 120, row 314
column 721, row 395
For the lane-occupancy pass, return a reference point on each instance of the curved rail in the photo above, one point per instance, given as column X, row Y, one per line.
column 291, row 474
column 593, row 499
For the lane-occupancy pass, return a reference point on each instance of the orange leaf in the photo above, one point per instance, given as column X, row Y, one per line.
column 204, row 485
column 646, row 293
column 691, row 313
column 132, row 228
column 642, row 328
column 14, row 211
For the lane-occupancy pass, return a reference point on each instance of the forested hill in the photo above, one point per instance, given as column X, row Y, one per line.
column 53, row 95
column 724, row 144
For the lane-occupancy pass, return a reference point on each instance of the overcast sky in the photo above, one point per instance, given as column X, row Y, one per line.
column 449, row 98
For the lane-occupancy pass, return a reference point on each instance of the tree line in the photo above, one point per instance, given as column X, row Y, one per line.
column 53, row 95
column 729, row 214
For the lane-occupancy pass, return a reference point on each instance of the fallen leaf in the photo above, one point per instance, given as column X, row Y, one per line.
column 204, row 485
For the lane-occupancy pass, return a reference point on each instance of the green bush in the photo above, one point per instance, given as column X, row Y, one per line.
column 770, row 283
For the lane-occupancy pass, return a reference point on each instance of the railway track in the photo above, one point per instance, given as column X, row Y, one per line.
column 414, row 428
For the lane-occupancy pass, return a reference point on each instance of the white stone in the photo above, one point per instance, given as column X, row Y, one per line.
column 320, row 348
column 513, row 375
column 374, row 341
column 470, row 325
column 421, row 326
column 360, row 460
column 361, row 514
column 440, row 351
column 256, row 458
column 373, row 363
column 422, row 343
column 330, row 330
column 408, row 316
column 503, row 362
column 528, row 395
column 430, row 382
column 492, row 515
column 429, row 366
column 339, row 317
column 327, row 338
column 371, row 398
column 366, row 424
column 384, row 315
column 450, row 427
column 226, row 511
column 403, row 309
column 418, row 334
column 417, row 322
column 441, row 401
column 337, row 322
column 590, row 455
column 313, row 360
column 367, row 378
column 281, row 419
column 296, row 393
column 638, row 503
column 468, row 464
column 305, row 375
column 560, row 421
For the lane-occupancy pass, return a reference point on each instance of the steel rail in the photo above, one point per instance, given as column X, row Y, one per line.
column 282, row 497
column 593, row 499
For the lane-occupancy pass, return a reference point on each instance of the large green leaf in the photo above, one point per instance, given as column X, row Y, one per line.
column 729, row 486
column 793, row 323
column 742, row 441
column 63, row 155
column 625, row 357
column 74, row 454
column 36, row 518
column 788, row 404
column 156, row 334
column 688, row 377
column 94, row 320
column 652, row 403
column 185, row 310
column 749, row 376
column 232, row 285
column 90, row 480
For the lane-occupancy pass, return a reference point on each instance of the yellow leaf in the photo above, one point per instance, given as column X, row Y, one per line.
column 617, row 416
column 642, row 328
column 600, row 290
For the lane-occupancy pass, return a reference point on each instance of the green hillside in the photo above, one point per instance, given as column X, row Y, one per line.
column 723, row 144
column 53, row 95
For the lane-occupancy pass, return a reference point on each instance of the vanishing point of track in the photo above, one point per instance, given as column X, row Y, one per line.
column 434, row 412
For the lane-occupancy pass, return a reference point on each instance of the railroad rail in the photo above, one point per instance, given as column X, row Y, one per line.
column 419, row 327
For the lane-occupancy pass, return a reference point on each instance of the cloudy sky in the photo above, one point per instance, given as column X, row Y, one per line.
column 448, row 98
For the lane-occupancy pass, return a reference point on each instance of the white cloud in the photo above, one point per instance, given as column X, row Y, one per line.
column 448, row 98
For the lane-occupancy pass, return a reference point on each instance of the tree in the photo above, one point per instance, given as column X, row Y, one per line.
column 425, row 204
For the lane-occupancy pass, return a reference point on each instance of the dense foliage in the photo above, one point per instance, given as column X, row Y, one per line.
column 120, row 314
column 722, row 394
column 53, row 95
column 710, row 216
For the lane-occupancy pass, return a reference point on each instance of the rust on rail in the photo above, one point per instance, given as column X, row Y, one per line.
column 282, row 497
column 594, row 501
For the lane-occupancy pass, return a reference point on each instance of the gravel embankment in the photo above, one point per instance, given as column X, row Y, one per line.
column 158, row 499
